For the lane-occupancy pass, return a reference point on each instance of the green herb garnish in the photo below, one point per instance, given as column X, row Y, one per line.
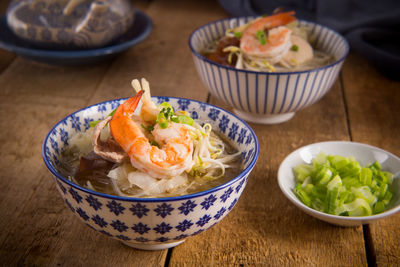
column 294, row 48
column 261, row 36
column 94, row 123
column 182, row 119
column 238, row 34
column 168, row 115
column 154, row 143
column 149, row 128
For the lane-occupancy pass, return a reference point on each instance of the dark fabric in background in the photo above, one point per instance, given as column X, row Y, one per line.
column 372, row 27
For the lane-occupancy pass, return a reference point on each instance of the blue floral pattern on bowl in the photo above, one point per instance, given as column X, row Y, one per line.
column 152, row 223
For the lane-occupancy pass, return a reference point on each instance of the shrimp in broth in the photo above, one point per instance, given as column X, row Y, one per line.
column 151, row 152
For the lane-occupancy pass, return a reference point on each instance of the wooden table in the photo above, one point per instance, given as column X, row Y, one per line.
column 264, row 228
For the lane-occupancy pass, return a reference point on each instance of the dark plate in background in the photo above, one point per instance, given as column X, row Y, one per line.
column 141, row 28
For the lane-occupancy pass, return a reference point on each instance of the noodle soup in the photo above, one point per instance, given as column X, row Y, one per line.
column 149, row 151
column 136, row 221
column 82, row 166
column 277, row 43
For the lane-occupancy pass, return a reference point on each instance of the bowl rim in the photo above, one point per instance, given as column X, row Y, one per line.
column 203, row 58
column 321, row 214
column 244, row 172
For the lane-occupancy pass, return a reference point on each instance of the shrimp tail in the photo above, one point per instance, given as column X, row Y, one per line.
column 123, row 114
column 129, row 106
column 278, row 19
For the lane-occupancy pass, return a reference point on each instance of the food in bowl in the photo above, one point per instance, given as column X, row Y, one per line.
column 143, row 222
column 340, row 186
column 267, row 97
column 70, row 24
column 155, row 152
column 365, row 155
column 275, row 43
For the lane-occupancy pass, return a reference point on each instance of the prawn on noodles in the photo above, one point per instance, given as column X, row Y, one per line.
column 273, row 43
column 146, row 150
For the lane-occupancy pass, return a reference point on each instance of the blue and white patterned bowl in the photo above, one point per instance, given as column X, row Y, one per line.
column 263, row 97
column 152, row 223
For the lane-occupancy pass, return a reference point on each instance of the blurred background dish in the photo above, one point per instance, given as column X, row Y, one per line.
column 71, row 23
column 140, row 29
column 371, row 27
column 363, row 153
column 267, row 97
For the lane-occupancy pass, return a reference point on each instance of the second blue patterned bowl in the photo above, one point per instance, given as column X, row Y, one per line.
column 267, row 97
column 152, row 223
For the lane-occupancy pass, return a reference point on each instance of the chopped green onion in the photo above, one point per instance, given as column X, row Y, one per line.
column 112, row 112
column 167, row 115
column 166, row 105
column 302, row 194
column 302, row 171
column 162, row 120
column 154, row 143
column 182, row 119
column 340, row 186
column 366, row 176
column 359, row 207
column 238, row 34
column 149, row 128
column 261, row 36
column 294, row 48
column 94, row 123
column 332, row 200
column 379, row 207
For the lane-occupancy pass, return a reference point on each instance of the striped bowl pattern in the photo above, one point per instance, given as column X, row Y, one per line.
column 264, row 97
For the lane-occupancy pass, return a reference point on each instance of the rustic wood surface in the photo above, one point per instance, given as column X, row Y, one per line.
column 263, row 229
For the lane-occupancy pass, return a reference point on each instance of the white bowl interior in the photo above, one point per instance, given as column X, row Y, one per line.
column 364, row 154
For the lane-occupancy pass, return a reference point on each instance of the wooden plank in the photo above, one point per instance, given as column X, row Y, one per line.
column 164, row 59
column 37, row 228
column 5, row 59
column 373, row 109
column 265, row 228
column 29, row 82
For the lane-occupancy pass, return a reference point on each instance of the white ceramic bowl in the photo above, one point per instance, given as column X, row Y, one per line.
column 152, row 223
column 263, row 97
column 364, row 154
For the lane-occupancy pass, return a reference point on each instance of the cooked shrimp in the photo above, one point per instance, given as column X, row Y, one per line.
column 174, row 155
column 301, row 55
column 277, row 41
